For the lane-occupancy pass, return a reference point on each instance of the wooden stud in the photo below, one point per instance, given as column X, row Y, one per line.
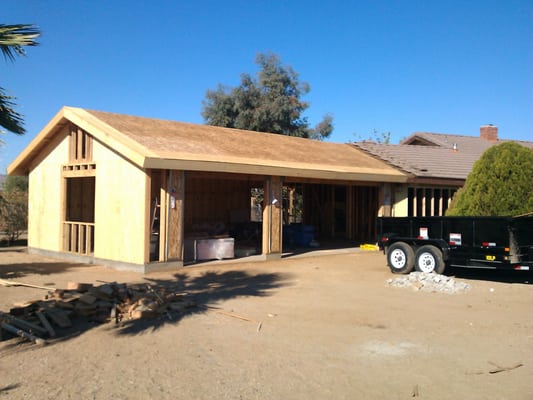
column 79, row 145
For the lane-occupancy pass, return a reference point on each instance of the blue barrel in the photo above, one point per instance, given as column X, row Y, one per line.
column 305, row 235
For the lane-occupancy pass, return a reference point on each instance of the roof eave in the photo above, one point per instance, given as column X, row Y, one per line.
column 367, row 175
column 21, row 164
column 96, row 128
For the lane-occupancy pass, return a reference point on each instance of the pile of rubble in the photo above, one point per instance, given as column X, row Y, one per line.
column 430, row 282
column 38, row 320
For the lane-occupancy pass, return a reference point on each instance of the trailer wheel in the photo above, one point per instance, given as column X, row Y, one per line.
column 400, row 258
column 429, row 259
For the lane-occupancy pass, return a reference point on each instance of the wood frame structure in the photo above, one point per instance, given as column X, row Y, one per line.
column 107, row 178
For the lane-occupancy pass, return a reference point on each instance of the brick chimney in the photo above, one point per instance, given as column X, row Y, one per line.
column 489, row 132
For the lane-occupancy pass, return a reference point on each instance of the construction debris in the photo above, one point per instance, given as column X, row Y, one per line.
column 430, row 282
column 60, row 309
column 5, row 282
column 233, row 315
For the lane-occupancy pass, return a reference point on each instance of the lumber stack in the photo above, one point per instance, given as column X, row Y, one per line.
column 60, row 309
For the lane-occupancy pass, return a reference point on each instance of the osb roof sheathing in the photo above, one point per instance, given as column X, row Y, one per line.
column 156, row 143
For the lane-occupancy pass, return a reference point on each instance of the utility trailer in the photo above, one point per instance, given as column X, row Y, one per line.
column 430, row 244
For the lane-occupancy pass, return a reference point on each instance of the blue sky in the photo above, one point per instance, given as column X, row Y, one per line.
column 391, row 66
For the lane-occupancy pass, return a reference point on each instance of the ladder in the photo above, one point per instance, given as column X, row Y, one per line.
column 155, row 215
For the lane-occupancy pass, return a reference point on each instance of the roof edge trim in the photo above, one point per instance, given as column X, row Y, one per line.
column 366, row 174
column 19, row 165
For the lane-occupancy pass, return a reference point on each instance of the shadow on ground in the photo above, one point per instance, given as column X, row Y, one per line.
column 199, row 294
column 203, row 292
column 20, row 270
column 492, row 275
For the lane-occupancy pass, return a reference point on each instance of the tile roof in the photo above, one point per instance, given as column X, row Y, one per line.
column 470, row 144
column 436, row 158
column 423, row 161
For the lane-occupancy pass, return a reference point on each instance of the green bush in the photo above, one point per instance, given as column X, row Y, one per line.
column 501, row 183
column 13, row 214
column 14, row 207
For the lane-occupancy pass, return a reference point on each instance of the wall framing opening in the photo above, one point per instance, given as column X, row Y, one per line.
column 78, row 223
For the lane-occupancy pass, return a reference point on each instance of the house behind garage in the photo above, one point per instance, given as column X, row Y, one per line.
column 144, row 194
column 437, row 165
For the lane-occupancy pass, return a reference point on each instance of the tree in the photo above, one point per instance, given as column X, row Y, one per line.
column 375, row 136
column 15, row 183
column 14, row 207
column 270, row 103
column 500, row 183
column 12, row 40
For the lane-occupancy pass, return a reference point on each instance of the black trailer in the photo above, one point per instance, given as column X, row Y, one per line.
column 430, row 244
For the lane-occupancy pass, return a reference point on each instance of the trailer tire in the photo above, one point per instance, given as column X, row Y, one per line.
column 400, row 258
column 429, row 259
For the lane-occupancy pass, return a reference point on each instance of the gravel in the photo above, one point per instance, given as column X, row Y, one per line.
column 429, row 282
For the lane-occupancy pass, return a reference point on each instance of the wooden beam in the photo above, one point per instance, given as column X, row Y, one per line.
column 350, row 212
column 81, row 173
column 272, row 216
column 72, row 143
column 79, row 144
column 176, row 186
column 147, row 220
column 267, row 217
column 293, row 172
column 163, row 220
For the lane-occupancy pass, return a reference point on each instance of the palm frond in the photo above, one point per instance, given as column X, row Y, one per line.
column 14, row 37
column 9, row 118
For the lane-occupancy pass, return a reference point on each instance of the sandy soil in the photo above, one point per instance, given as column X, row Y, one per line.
column 331, row 328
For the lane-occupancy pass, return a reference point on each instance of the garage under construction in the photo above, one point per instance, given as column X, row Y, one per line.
column 148, row 194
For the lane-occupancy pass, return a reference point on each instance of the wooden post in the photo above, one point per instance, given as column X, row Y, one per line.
column 272, row 216
column 415, row 202
column 147, row 213
column 432, row 204
column 163, row 220
column 350, row 212
column 424, row 200
column 176, row 186
column 291, row 218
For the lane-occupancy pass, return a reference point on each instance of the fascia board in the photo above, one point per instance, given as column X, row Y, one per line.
column 361, row 174
column 19, row 166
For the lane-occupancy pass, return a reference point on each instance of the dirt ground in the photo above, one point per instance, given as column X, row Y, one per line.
column 331, row 328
